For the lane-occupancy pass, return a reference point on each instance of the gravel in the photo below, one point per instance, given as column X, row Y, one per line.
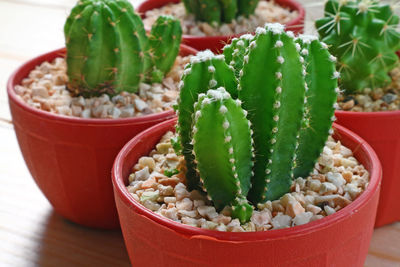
column 46, row 88
column 336, row 181
column 379, row 99
column 266, row 11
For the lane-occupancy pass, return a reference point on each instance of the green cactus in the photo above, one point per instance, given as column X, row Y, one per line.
column 222, row 147
column 198, row 77
column 108, row 50
column 288, row 88
column 219, row 11
column 235, row 52
column 321, row 92
column 164, row 43
column 362, row 35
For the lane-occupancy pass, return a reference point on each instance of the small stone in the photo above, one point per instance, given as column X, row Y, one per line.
column 189, row 221
column 168, row 200
column 187, row 213
column 377, row 94
column 302, row 218
column 147, row 162
column 260, row 218
column 171, row 213
column 165, row 190
column 389, row 98
column 348, row 105
column 140, row 105
column 329, row 210
column 314, row 209
column 207, row 211
column 149, row 183
column 222, row 219
column 40, row 91
column 281, row 221
column 151, row 205
column 334, row 200
column 184, row 204
column 294, row 208
column 181, row 192
column 327, row 188
column 142, row 174
column 315, row 185
column 336, row 179
column 163, row 147
column 152, row 196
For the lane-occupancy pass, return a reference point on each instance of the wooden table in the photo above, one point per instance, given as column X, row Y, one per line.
column 31, row 234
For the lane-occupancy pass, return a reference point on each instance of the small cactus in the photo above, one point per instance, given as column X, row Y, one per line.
column 362, row 35
column 108, row 50
column 219, row 11
column 222, row 147
column 288, row 87
column 198, row 77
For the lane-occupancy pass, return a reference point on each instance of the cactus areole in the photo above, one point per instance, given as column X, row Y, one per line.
column 256, row 117
column 108, row 50
column 362, row 35
column 219, row 11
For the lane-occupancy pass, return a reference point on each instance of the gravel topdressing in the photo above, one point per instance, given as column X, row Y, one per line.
column 158, row 183
column 380, row 99
column 266, row 11
column 45, row 88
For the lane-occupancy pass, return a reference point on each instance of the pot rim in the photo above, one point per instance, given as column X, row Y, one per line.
column 190, row 231
column 26, row 67
column 291, row 4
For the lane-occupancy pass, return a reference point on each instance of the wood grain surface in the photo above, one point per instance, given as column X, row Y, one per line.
column 31, row 234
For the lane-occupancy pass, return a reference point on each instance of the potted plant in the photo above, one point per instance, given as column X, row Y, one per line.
column 247, row 158
column 73, row 109
column 363, row 36
column 219, row 21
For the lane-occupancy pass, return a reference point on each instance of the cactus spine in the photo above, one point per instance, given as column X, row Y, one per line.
column 362, row 35
column 108, row 50
column 288, row 87
column 219, row 11
column 222, row 147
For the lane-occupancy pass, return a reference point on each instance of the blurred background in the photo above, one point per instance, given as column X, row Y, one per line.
column 30, row 233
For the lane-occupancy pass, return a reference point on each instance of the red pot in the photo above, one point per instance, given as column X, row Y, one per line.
column 216, row 43
column 341, row 239
column 71, row 158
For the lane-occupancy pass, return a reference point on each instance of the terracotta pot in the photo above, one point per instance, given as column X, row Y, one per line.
column 71, row 158
column 341, row 239
column 216, row 43
column 382, row 131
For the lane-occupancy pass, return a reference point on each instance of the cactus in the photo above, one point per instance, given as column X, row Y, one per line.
column 164, row 43
column 288, row 87
column 198, row 77
column 321, row 92
column 219, row 11
column 222, row 147
column 362, row 35
column 108, row 50
column 235, row 52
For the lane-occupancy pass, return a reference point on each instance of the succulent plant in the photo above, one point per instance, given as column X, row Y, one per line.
column 223, row 149
column 199, row 76
column 362, row 35
column 108, row 50
column 288, row 87
column 218, row 11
